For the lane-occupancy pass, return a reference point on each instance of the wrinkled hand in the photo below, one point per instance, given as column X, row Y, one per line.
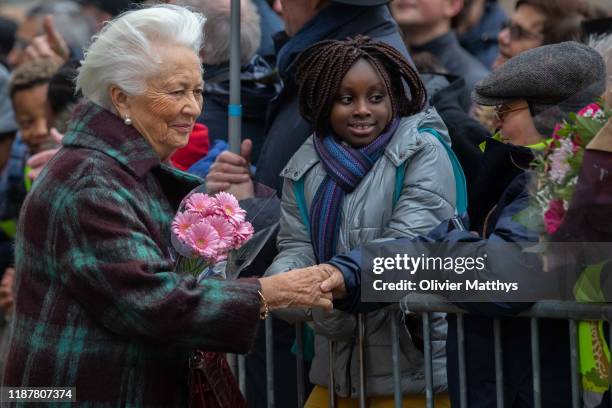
column 49, row 45
column 6, row 291
column 38, row 161
column 299, row 288
column 231, row 172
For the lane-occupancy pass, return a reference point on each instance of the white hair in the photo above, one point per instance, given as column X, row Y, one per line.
column 603, row 45
column 123, row 54
column 218, row 29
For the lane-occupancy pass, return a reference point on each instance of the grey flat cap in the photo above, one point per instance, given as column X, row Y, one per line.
column 546, row 76
column 363, row 2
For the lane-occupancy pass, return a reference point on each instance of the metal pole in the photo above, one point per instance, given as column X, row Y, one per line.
column 397, row 380
column 362, row 363
column 499, row 366
column 269, row 363
column 299, row 363
column 428, row 363
column 235, row 107
column 573, row 337
column 242, row 374
column 331, row 390
column 535, row 359
column 462, row 363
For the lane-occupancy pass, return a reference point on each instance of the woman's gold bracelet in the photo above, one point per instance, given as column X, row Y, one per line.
column 263, row 315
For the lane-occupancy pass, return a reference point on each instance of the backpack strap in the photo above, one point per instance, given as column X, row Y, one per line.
column 300, row 200
column 460, row 183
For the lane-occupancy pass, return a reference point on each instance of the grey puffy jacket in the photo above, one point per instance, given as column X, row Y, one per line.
column 408, row 192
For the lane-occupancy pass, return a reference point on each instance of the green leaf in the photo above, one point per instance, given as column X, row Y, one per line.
column 588, row 286
column 530, row 217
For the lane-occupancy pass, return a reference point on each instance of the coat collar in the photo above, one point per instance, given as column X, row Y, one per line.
column 406, row 141
column 96, row 128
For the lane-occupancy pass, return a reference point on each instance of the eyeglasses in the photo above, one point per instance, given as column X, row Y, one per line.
column 519, row 33
column 501, row 111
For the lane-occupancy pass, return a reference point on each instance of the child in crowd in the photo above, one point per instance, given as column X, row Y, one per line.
column 28, row 92
column 375, row 167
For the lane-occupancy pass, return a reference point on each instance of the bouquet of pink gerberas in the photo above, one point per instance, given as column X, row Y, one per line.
column 206, row 229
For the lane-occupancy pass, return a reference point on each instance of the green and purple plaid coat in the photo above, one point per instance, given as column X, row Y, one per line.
column 98, row 306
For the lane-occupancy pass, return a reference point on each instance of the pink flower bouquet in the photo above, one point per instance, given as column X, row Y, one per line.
column 206, row 229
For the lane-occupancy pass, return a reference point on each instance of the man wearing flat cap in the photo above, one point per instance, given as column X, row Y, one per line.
column 531, row 93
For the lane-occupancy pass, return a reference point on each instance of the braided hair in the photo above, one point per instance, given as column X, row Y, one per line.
column 322, row 67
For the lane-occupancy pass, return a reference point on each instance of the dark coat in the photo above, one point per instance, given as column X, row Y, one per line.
column 465, row 132
column 287, row 130
column 98, row 305
column 455, row 59
column 259, row 84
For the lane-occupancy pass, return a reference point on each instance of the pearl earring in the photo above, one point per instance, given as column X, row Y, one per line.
column 127, row 120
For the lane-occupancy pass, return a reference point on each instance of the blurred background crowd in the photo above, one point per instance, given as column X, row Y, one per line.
column 454, row 44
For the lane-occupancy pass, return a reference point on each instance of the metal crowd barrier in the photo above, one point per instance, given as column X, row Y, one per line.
column 426, row 304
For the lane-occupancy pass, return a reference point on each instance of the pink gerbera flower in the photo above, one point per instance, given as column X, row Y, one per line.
column 243, row 233
column 182, row 223
column 201, row 203
column 203, row 238
column 228, row 206
column 224, row 229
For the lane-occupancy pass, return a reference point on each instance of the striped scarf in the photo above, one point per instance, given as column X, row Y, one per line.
column 345, row 167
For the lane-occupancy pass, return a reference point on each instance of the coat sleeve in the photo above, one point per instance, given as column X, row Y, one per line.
column 110, row 264
column 294, row 247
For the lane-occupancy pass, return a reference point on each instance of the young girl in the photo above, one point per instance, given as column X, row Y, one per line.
column 375, row 167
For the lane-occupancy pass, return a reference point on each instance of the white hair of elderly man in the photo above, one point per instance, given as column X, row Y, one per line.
column 217, row 29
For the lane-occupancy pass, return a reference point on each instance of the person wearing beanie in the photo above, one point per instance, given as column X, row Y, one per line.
column 549, row 80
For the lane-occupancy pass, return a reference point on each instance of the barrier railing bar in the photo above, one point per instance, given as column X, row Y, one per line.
column 428, row 362
column 242, row 374
column 331, row 390
column 499, row 365
column 610, row 373
column 299, row 363
column 462, row 363
column 550, row 309
column 573, row 337
column 362, row 362
column 397, row 379
column 535, row 361
column 269, row 363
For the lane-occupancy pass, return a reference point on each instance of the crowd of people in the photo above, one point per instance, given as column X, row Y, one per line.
column 382, row 123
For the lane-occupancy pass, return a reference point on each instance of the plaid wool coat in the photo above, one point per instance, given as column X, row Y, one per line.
column 97, row 304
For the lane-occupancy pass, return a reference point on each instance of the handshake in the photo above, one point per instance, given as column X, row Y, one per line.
column 315, row 286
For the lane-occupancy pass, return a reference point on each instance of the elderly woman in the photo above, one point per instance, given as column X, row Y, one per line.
column 98, row 305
